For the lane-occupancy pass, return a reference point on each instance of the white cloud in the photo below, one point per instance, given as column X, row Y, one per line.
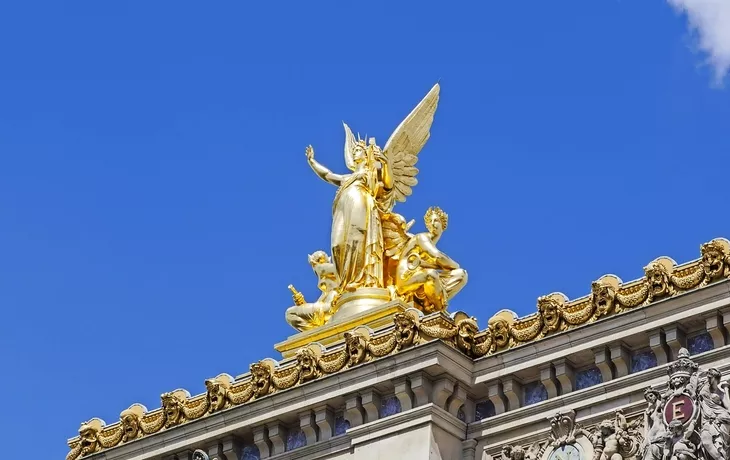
column 710, row 19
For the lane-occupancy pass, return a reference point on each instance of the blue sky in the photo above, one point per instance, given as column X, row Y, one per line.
column 155, row 200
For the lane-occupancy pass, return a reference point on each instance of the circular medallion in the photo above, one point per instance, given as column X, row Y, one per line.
column 567, row 452
column 679, row 407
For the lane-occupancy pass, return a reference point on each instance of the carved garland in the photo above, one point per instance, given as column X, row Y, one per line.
column 267, row 376
column 663, row 278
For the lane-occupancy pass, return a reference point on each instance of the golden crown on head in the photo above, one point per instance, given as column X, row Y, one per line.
column 438, row 212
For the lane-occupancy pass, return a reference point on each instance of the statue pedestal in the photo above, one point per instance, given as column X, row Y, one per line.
column 360, row 311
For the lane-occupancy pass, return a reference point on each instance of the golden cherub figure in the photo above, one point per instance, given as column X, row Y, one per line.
column 307, row 315
column 420, row 272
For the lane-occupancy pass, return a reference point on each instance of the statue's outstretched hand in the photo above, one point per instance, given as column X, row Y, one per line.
column 309, row 151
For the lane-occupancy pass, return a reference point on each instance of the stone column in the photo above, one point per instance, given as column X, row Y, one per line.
column 603, row 362
column 469, row 449
column 565, row 375
column 324, row 417
column 496, row 395
column 658, row 344
column 547, row 377
column 404, row 393
column 621, row 359
column 715, row 327
column 675, row 339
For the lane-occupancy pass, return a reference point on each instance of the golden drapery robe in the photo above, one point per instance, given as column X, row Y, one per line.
column 357, row 236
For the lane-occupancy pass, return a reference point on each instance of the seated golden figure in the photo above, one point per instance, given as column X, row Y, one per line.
column 307, row 315
column 422, row 273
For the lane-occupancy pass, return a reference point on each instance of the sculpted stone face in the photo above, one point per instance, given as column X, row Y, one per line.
column 405, row 330
column 500, row 333
column 216, row 394
column 172, row 407
column 603, row 297
column 678, row 381
column 307, row 363
column 130, row 426
column 658, row 280
column 713, row 260
column 261, row 378
column 548, row 309
column 466, row 330
column 356, row 347
column 89, row 439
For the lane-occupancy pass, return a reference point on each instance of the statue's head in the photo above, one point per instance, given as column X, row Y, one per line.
column 676, row 427
column 436, row 220
column 359, row 152
column 651, row 395
column 713, row 377
column 318, row 258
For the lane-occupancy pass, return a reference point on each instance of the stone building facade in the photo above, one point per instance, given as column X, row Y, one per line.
column 633, row 370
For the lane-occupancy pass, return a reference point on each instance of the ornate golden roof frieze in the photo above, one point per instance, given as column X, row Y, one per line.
column 663, row 278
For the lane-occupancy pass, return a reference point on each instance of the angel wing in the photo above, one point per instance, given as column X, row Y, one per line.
column 349, row 144
column 395, row 234
column 407, row 141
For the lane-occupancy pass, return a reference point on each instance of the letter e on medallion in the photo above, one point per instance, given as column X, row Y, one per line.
column 679, row 407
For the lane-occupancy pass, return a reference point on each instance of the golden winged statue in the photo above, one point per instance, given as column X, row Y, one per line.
column 365, row 196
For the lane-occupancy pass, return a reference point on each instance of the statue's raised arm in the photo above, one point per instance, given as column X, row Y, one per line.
column 322, row 171
column 404, row 145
